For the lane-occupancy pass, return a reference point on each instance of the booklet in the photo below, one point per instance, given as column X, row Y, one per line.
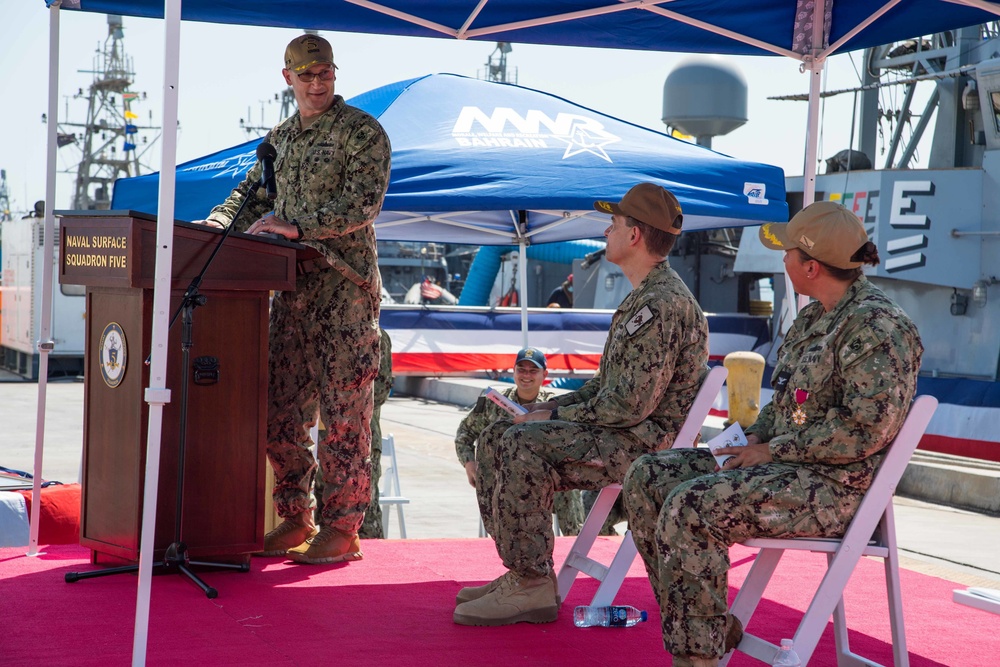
column 731, row 437
column 512, row 408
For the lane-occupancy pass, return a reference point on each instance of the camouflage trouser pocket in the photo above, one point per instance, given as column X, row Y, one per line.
column 622, row 452
column 834, row 507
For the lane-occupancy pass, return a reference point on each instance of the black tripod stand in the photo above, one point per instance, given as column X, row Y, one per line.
column 176, row 558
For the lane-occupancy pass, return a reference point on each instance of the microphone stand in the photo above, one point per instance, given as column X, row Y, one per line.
column 176, row 558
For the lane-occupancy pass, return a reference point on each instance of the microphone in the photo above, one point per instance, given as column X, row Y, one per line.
column 592, row 258
column 265, row 155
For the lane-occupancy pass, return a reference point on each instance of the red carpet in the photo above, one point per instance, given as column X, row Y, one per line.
column 394, row 608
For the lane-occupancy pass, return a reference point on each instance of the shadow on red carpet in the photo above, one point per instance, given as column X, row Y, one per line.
column 394, row 609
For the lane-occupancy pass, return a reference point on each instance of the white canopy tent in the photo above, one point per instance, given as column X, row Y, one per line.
column 807, row 30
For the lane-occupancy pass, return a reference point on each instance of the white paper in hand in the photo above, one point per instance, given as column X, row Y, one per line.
column 731, row 437
column 512, row 408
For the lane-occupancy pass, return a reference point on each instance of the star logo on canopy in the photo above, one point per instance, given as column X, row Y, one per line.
column 232, row 167
column 587, row 138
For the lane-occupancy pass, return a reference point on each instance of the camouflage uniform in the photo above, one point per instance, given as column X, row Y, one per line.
column 324, row 341
column 372, row 526
column 568, row 505
column 652, row 366
column 853, row 372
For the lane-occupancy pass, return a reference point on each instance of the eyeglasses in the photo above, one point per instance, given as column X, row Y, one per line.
column 307, row 77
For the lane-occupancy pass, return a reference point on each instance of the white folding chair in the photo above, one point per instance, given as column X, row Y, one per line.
column 842, row 555
column 390, row 494
column 987, row 599
column 612, row 575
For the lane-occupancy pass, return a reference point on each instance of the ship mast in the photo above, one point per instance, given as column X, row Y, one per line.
column 4, row 197
column 112, row 142
column 287, row 100
column 496, row 65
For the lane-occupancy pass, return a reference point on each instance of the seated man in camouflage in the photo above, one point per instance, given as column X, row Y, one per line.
column 529, row 373
column 653, row 364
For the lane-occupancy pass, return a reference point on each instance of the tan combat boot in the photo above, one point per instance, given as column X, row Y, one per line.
column 470, row 593
column 516, row 599
column 328, row 546
column 291, row 532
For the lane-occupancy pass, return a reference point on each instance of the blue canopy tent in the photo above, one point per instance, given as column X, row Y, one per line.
column 806, row 30
column 761, row 27
column 488, row 163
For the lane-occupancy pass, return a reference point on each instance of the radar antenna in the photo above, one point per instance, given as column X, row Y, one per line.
column 111, row 141
column 496, row 65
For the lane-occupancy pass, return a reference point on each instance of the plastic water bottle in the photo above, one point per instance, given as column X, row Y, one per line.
column 786, row 657
column 622, row 616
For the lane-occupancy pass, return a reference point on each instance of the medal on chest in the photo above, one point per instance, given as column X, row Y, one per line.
column 799, row 416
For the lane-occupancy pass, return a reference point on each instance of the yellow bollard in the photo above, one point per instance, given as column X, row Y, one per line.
column 746, row 370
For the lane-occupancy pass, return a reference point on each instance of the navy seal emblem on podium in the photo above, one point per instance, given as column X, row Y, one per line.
column 113, row 353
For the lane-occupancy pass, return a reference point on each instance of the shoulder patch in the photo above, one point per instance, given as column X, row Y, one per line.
column 860, row 346
column 638, row 320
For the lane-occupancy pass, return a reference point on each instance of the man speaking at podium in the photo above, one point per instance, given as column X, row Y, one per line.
column 324, row 182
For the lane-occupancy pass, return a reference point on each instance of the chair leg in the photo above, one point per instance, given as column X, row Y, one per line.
column 753, row 586
column 402, row 523
column 619, row 567
column 825, row 601
column 585, row 539
column 900, row 655
column 841, row 640
column 749, row 597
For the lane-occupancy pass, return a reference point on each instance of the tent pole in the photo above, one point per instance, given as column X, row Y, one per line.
column 814, row 65
column 795, row 304
column 522, row 272
column 522, row 269
column 812, row 146
column 45, row 343
column 157, row 394
column 812, row 133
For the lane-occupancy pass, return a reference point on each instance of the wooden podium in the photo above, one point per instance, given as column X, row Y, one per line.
column 113, row 254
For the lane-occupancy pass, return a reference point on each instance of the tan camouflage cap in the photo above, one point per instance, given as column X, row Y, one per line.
column 649, row 203
column 307, row 50
column 824, row 230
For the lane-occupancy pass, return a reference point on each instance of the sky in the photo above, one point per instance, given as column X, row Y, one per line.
column 233, row 72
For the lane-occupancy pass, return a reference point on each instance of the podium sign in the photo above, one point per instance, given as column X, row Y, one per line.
column 113, row 254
